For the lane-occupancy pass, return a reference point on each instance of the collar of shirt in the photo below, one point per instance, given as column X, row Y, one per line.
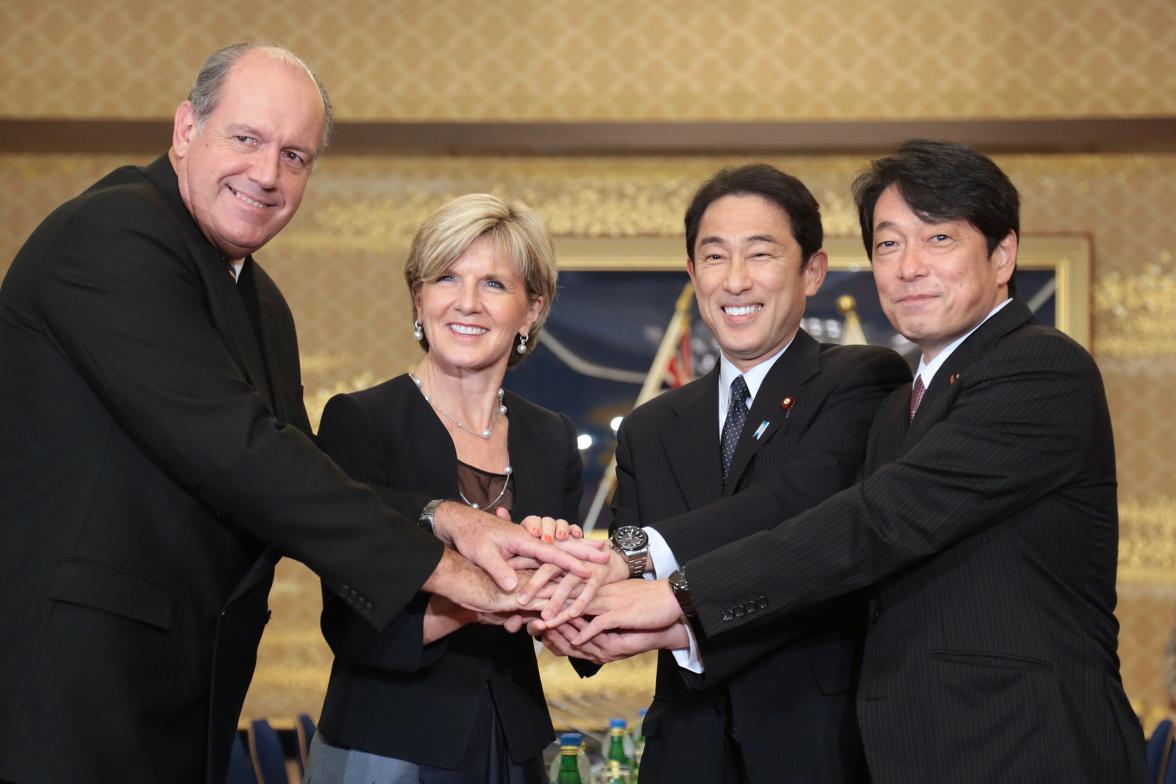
column 927, row 369
column 753, row 378
column 236, row 266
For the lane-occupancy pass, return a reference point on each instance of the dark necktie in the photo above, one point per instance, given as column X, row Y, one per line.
column 917, row 395
column 733, row 426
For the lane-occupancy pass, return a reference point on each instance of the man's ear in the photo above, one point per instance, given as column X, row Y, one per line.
column 1004, row 256
column 183, row 129
column 814, row 272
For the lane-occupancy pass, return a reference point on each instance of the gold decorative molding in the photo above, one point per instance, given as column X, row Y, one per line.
column 1137, row 312
column 1147, row 541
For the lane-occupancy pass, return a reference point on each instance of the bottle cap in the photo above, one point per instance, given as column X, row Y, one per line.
column 614, row 724
column 642, row 711
column 569, row 739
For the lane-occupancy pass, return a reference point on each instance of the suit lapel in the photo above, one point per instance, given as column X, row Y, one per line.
column 254, row 334
column 527, row 462
column 941, row 394
column 224, row 302
column 691, row 442
column 785, row 381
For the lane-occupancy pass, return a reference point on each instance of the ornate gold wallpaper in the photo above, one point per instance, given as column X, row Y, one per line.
column 340, row 263
column 614, row 59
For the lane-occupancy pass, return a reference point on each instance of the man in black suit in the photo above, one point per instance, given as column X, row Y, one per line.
column 985, row 533
column 156, row 457
column 777, row 399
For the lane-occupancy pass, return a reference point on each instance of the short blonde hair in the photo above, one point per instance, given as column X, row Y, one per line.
column 516, row 231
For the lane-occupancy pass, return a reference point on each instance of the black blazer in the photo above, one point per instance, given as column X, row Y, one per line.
column 153, row 442
column 986, row 534
column 790, row 705
column 389, row 694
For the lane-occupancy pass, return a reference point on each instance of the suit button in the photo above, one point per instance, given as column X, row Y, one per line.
column 343, row 591
column 718, row 710
column 727, row 616
column 762, row 602
column 352, row 594
column 367, row 608
column 738, row 610
column 749, row 607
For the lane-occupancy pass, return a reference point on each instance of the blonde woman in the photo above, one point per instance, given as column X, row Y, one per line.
column 439, row 698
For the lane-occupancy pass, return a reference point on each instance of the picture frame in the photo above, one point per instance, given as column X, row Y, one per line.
column 619, row 296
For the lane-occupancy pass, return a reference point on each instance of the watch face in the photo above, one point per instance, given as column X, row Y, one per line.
column 630, row 537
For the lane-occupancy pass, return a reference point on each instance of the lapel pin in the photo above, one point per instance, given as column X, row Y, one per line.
column 787, row 403
column 759, row 431
column 954, row 377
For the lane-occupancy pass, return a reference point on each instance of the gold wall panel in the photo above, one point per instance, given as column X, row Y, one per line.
column 340, row 260
column 613, row 59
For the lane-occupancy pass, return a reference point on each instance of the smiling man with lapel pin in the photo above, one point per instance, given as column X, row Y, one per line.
column 779, row 409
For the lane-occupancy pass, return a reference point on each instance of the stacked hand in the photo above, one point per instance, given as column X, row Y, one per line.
column 644, row 612
column 563, row 577
column 489, row 558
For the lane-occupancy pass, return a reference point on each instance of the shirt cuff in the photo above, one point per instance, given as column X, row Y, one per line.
column 661, row 558
column 663, row 563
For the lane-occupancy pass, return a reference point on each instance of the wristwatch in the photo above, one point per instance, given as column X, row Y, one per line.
column 633, row 545
column 681, row 589
column 426, row 519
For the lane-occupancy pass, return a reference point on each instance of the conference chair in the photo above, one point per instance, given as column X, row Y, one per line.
column 265, row 749
column 240, row 766
column 1159, row 753
column 304, row 730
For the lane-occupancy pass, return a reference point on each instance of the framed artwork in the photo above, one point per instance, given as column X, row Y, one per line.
column 624, row 327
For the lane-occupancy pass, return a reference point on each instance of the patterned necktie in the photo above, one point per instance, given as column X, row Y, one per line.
column 733, row 426
column 917, row 395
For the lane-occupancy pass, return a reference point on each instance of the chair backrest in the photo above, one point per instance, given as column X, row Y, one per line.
column 265, row 749
column 304, row 730
column 1159, row 754
column 240, row 766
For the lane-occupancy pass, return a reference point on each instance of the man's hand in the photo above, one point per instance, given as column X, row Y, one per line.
column 488, row 542
column 572, row 586
column 632, row 605
column 469, row 586
column 613, row 646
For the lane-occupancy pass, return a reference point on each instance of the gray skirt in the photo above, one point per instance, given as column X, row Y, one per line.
column 486, row 761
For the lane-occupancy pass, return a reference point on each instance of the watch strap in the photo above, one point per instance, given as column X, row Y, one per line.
column 427, row 514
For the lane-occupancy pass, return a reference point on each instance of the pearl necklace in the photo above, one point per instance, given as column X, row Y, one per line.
column 497, row 498
column 499, row 410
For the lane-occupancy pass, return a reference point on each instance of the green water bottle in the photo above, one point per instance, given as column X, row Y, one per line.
column 569, row 768
column 616, row 752
column 638, row 743
column 614, row 775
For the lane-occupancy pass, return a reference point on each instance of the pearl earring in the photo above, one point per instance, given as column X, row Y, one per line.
column 417, row 332
column 523, row 338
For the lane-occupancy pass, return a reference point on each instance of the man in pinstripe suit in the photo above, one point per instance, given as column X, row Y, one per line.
column 985, row 534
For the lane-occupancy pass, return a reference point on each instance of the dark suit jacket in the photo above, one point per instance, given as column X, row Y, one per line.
column 790, row 706
column 986, row 533
column 389, row 694
column 153, row 442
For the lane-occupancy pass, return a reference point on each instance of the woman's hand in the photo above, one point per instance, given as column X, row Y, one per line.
column 550, row 529
column 443, row 617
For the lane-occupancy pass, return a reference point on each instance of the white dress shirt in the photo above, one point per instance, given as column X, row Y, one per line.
column 927, row 370
column 661, row 558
